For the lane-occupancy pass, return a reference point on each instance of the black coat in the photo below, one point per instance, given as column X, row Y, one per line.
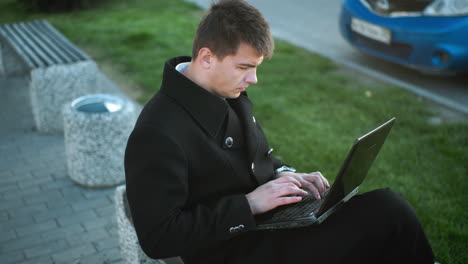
column 186, row 181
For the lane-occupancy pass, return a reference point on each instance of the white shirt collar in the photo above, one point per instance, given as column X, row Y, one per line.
column 182, row 67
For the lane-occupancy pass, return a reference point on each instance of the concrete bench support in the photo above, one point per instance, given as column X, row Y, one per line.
column 59, row 71
column 130, row 249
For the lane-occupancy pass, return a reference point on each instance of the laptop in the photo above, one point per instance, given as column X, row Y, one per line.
column 354, row 170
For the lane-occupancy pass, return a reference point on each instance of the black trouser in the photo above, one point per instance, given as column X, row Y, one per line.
column 375, row 227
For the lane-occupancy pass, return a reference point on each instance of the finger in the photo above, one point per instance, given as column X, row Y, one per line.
column 324, row 180
column 314, row 191
column 289, row 189
column 290, row 179
column 316, row 179
column 287, row 200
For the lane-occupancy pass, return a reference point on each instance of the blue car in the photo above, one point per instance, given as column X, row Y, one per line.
column 428, row 35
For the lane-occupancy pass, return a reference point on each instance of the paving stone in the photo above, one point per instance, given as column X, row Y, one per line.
column 77, row 218
column 89, row 204
column 54, row 213
column 20, row 193
column 108, row 211
column 58, row 184
column 22, row 243
column 14, row 176
column 10, row 186
column 41, row 197
column 39, row 260
column 29, row 210
column 13, row 223
column 72, row 193
column 37, row 228
column 11, row 204
column 104, row 257
column 107, row 243
column 7, row 235
column 88, row 237
column 3, row 216
column 46, row 249
column 74, row 254
column 13, row 257
column 35, row 182
column 98, row 222
column 63, row 232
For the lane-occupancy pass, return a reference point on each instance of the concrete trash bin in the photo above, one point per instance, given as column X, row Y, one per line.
column 96, row 130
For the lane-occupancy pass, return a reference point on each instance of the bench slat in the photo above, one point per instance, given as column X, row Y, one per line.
column 64, row 43
column 53, row 36
column 51, row 48
column 20, row 49
column 38, row 57
column 39, row 46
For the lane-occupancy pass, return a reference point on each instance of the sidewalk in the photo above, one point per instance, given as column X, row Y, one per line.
column 44, row 216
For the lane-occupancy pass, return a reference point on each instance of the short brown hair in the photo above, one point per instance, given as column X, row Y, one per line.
column 227, row 24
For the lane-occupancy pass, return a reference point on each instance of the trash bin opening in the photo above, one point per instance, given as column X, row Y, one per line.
column 98, row 103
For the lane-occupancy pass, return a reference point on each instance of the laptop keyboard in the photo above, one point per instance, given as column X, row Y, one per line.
column 301, row 209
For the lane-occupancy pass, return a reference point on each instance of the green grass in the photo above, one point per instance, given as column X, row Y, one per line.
column 310, row 110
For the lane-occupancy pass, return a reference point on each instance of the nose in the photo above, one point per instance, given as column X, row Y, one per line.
column 251, row 76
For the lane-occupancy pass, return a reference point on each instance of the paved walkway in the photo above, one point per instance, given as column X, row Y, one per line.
column 44, row 216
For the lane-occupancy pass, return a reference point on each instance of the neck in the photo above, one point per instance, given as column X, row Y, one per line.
column 197, row 76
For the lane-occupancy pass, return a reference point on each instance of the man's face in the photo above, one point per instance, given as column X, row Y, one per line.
column 234, row 73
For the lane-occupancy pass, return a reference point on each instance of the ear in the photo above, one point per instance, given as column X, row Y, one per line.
column 205, row 57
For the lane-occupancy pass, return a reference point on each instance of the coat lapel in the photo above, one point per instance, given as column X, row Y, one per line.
column 243, row 108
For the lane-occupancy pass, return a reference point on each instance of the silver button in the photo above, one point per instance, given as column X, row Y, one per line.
column 253, row 167
column 269, row 152
column 253, row 118
column 229, row 142
column 236, row 229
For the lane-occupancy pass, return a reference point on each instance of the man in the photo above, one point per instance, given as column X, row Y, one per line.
column 199, row 168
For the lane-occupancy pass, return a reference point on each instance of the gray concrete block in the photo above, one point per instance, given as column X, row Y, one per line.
column 56, row 85
column 96, row 129
column 128, row 242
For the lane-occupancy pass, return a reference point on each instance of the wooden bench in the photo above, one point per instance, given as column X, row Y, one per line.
column 130, row 249
column 58, row 70
column 36, row 44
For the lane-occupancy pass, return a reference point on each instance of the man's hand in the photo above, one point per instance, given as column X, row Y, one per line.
column 314, row 181
column 281, row 191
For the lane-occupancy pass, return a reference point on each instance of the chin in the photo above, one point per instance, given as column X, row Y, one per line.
column 234, row 96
